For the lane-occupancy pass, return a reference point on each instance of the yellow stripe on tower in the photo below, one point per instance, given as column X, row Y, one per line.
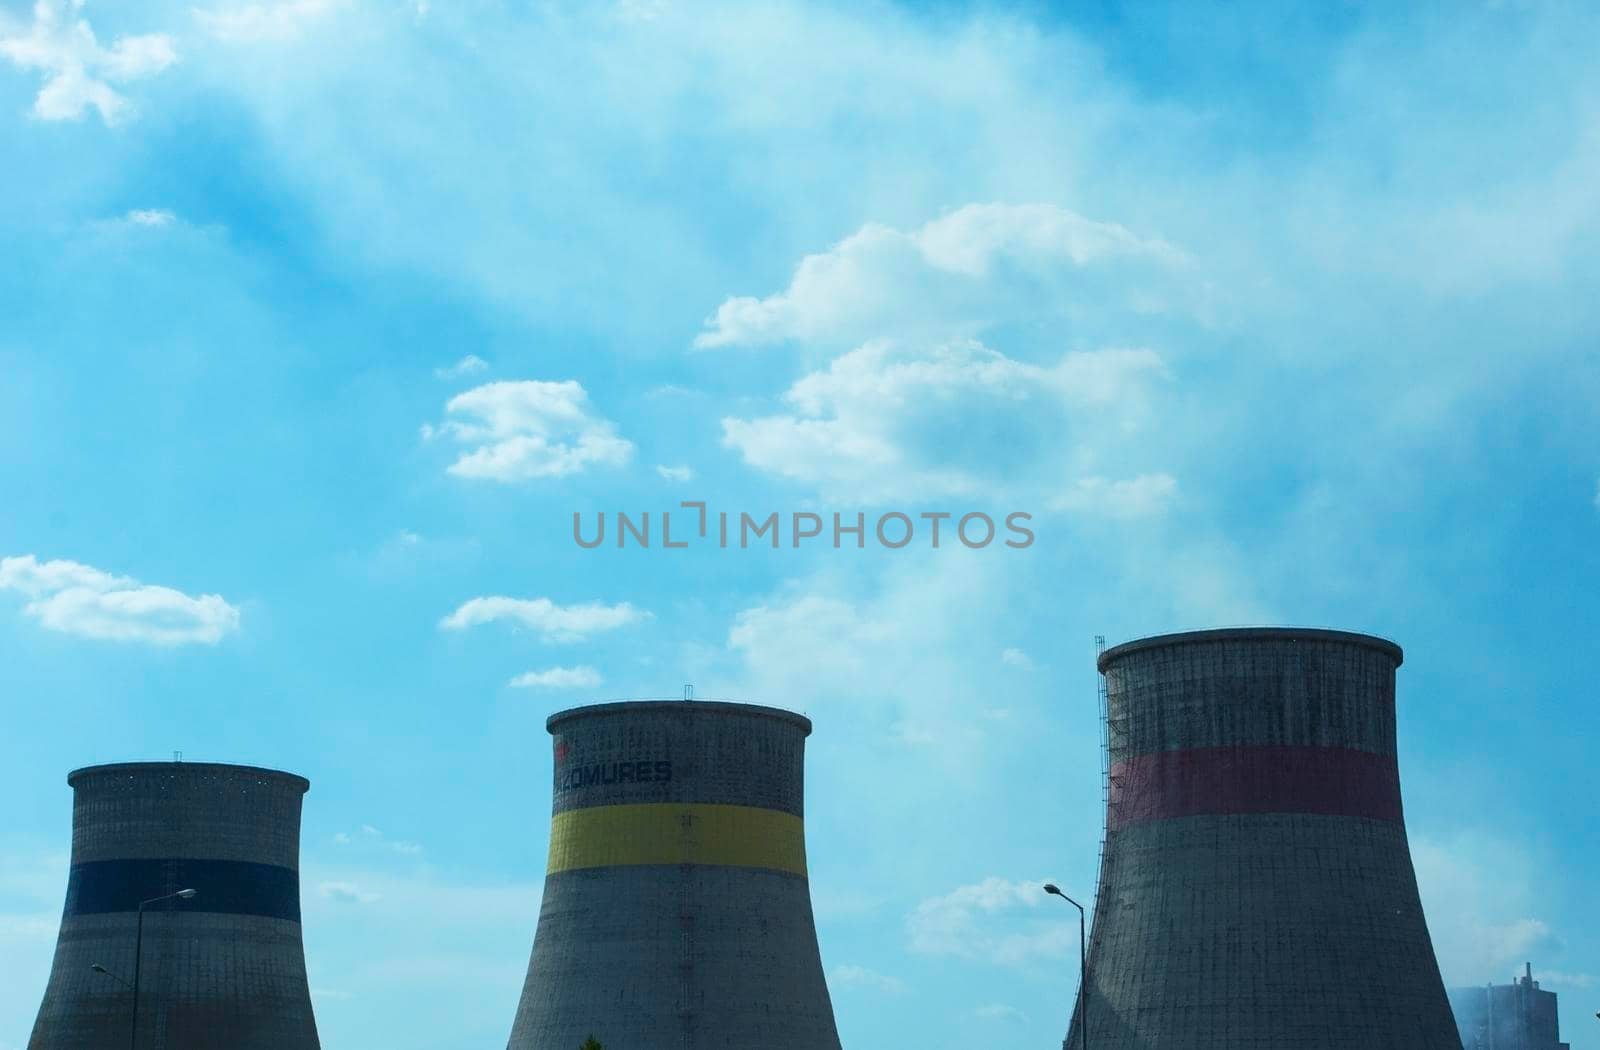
column 677, row 833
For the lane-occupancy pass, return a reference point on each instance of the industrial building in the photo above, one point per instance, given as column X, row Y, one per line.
column 1516, row 1016
column 677, row 910
column 182, row 920
column 1256, row 889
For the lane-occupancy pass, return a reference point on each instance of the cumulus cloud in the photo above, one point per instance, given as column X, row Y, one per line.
column 979, row 921
column 517, row 431
column 960, row 269
column 554, row 623
column 582, row 677
column 889, row 419
column 849, row 976
column 78, row 72
column 908, row 659
column 153, row 217
column 1484, row 907
column 79, row 599
column 675, row 473
column 786, row 633
column 264, row 22
column 470, row 365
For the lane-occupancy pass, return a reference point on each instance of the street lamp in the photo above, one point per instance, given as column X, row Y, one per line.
column 138, row 953
column 1083, row 968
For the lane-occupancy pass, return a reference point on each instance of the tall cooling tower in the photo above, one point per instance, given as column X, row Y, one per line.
column 1256, row 890
column 221, row 971
column 677, row 913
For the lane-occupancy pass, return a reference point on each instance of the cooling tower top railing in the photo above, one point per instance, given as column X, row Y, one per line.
column 1250, row 634
column 703, row 705
column 130, row 772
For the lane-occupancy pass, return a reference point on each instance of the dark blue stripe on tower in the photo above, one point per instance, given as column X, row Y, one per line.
column 229, row 887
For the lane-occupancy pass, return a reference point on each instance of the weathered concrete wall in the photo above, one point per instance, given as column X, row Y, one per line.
column 1257, row 890
column 677, row 912
column 223, row 971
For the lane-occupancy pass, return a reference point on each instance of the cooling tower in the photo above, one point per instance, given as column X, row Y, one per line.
column 676, row 913
column 1256, row 890
column 221, row 971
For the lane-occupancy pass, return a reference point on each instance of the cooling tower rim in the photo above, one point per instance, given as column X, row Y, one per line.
column 75, row 777
column 1242, row 634
column 724, row 707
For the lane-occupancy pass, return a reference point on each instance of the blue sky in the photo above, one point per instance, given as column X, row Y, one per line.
column 323, row 317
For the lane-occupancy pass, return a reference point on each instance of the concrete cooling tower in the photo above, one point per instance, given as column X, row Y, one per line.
column 1256, row 890
column 220, row 970
column 677, row 912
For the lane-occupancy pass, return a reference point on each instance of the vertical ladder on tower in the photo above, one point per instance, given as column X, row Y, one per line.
column 1105, row 769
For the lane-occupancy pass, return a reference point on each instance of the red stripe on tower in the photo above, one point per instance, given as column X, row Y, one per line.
column 1284, row 778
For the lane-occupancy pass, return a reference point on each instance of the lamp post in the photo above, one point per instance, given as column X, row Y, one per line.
column 138, row 953
column 1083, row 968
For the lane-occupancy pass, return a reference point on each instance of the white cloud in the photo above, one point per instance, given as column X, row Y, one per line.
column 555, row 623
column 32, row 878
column 318, row 994
column 888, row 420
column 881, row 281
column 371, row 836
column 583, row 677
column 470, row 365
column 849, row 976
column 264, row 22
column 528, row 429
column 410, row 932
column 1480, row 894
column 1515, row 939
column 347, row 893
column 78, row 71
column 149, row 217
column 907, row 658
column 36, row 928
column 79, row 599
column 1015, row 658
column 979, row 922
column 1137, row 497
column 675, row 473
